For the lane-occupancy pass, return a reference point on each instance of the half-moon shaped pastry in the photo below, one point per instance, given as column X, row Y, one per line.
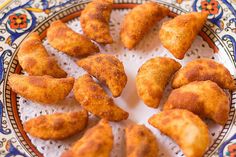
column 94, row 99
column 42, row 89
column 204, row 98
column 139, row 21
column 61, row 37
column 34, row 59
column 107, row 69
column 95, row 19
column 96, row 142
column 153, row 77
column 185, row 128
column 140, row 142
column 178, row 34
column 204, row 69
column 56, row 126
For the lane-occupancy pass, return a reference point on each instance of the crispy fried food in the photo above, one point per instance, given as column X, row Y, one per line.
column 95, row 19
column 204, row 98
column 94, row 99
column 34, row 59
column 179, row 1
column 96, row 142
column 139, row 21
column 185, row 128
column 140, row 142
column 204, row 69
column 61, row 37
column 178, row 34
column 107, row 69
column 153, row 77
column 42, row 89
column 56, row 126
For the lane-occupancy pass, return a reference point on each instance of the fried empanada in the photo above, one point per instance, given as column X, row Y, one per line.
column 94, row 99
column 96, row 142
column 139, row 21
column 107, row 69
column 153, row 77
column 178, row 34
column 204, row 69
column 140, row 142
column 61, row 37
column 34, row 59
column 42, row 89
column 56, row 126
column 204, row 98
column 185, row 128
column 95, row 19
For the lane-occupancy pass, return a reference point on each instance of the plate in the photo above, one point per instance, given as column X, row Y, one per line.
column 216, row 41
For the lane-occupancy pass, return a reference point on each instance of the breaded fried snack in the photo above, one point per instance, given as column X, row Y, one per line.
column 56, row 126
column 185, row 128
column 107, row 69
column 94, row 99
column 95, row 19
column 153, row 77
column 96, row 142
column 42, row 89
column 204, row 69
column 178, row 34
column 139, row 21
column 64, row 39
column 140, row 142
column 34, row 59
column 204, row 98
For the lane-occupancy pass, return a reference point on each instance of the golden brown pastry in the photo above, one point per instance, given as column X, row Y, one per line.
column 153, row 77
column 96, row 142
column 34, row 59
column 56, row 126
column 95, row 19
column 94, row 99
column 42, row 89
column 178, row 34
column 179, row 1
column 185, row 128
column 204, row 98
column 107, row 69
column 139, row 21
column 140, row 142
column 61, row 37
column 204, row 69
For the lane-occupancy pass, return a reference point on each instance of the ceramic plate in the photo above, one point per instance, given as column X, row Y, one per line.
column 19, row 18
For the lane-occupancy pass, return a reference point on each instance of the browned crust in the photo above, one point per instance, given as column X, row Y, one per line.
column 139, row 21
column 204, row 69
column 56, row 126
column 153, row 77
column 96, row 142
column 204, row 98
column 41, row 88
column 94, row 99
column 107, row 69
column 95, row 19
column 185, row 128
column 61, row 37
column 178, row 34
column 140, row 142
column 34, row 59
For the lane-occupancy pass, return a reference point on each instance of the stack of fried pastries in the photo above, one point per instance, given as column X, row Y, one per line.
column 183, row 111
column 46, row 85
column 198, row 94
